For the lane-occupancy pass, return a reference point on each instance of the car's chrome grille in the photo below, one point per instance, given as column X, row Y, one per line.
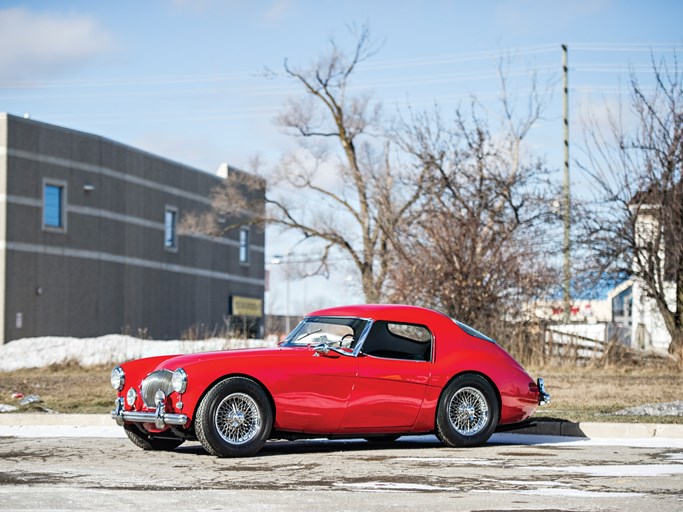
column 160, row 379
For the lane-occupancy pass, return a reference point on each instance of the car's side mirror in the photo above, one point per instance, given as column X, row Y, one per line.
column 322, row 349
column 325, row 348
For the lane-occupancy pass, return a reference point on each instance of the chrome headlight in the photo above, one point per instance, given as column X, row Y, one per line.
column 131, row 397
column 179, row 381
column 118, row 378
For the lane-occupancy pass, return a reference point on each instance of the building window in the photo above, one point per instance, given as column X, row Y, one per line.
column 244, row 245
column 54, row 201
column 170, row 229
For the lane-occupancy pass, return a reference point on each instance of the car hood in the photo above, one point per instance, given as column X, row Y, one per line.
column 202, row 357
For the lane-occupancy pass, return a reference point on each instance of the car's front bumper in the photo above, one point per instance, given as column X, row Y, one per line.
column 160, row 418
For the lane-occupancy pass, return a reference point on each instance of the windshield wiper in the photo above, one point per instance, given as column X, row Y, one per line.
column 306, row 335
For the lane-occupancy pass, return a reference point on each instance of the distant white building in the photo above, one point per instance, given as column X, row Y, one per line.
column 648, row 330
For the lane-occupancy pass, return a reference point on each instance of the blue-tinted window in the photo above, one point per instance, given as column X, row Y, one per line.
column 244, row 245
column 170, row 236
column 53, row 206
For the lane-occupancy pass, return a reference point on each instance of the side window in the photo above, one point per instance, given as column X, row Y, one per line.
column 54, row 206
column 171, row 229
column 412, row 332
column 393, row 340
column 244, row 245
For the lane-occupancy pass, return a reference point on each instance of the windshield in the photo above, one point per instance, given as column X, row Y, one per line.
column 338, row 332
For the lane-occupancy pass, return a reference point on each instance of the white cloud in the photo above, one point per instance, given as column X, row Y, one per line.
column 272, row 12
column 277, row 11
column 44, row 45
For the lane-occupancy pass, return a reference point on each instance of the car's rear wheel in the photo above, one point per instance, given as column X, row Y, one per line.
column 234, row 419
column 468, row 411
column 147, row 441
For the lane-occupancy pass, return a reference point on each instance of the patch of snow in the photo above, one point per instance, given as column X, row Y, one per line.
column 676, row 457
column 661, row 409
column 391, row 487
column 450, row 460
column 617, row 470
column 567, row 493
column 528, row 482
column 112, row 348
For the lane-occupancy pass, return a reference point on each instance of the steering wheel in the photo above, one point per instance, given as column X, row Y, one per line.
column 349, row 336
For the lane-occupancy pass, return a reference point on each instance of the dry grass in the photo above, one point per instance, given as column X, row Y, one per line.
column 594, row 393
column 68, row 388
column 588, row 393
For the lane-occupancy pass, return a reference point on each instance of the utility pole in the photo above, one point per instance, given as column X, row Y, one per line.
column 567, row 199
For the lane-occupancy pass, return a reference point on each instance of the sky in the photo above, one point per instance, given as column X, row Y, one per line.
column 201, row 81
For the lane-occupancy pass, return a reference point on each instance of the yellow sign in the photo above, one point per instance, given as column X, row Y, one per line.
column 244, row 306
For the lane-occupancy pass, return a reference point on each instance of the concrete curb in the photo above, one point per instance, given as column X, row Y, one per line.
column 603, row 430
column 543, row 428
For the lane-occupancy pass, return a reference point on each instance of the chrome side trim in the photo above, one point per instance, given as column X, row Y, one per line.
column 543, row 396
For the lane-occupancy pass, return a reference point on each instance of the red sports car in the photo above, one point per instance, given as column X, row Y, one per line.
column 372, row 371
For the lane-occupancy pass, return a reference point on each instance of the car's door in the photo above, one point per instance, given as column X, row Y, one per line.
column 312, row 387
column 394, row 366
column 313, row 396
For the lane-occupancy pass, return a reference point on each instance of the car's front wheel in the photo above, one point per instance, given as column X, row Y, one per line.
column 147, row 441
column 468, row 411
column 234, row 419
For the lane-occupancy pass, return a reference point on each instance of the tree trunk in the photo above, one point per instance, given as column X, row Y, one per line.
column 370, row 291
column 676, row 346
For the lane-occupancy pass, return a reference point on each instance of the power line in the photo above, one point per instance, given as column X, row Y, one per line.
column 460, row 57
column 625, row 47
column 215, row 77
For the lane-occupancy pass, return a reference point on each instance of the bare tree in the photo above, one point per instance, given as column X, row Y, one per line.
column 636, row 222
column 339, row 186
column 479, row 248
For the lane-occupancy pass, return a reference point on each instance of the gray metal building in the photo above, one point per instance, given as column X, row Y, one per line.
column 89, row 242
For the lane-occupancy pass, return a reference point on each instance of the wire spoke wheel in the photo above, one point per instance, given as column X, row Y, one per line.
column 238, row 419
column 468, row 411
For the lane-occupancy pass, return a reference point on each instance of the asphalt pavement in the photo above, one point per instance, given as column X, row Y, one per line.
column 77, row 467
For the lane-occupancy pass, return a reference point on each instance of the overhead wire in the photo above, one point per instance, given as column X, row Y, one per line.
column 35, row 90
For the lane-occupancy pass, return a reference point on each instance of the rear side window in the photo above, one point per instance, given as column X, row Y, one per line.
column 415, row 333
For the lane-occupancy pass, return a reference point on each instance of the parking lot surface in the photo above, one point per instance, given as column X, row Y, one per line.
column 513, row 472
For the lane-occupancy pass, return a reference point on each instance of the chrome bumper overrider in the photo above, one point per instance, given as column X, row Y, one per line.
column 543, row 395
column 160, row 417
